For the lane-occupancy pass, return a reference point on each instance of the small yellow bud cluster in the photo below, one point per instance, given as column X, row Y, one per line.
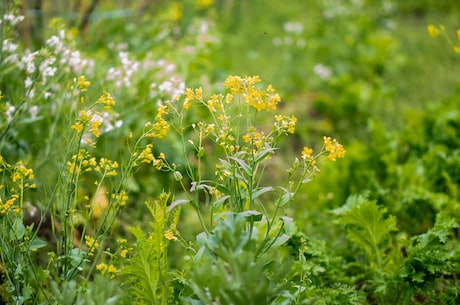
column 285, row 124
column 82, row 83
column 259, row 99
column 334, row 148
column 83, row 162
column 92, row 245
column 104, row 268
column 121, row 198
column 159, row 128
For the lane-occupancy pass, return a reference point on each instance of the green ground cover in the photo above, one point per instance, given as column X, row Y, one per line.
column 229, row 152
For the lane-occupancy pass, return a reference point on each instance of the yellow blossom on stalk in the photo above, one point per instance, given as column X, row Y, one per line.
column 112, row 270
column 5, row 207
column 123, row 253
column 107, row 100
column 95, row 124
column 189, row 97
column 78, row 127
column 199, row 93
column 146, row 156
column 160, row 127
column 457, row 49
column 108, row 166
column 104, row 268
column 83, row 83
column 215, row 103
column 101, row 266
column 307, row 153
column 433, row 31
column 122, row 197
column 169, row 235
column 91, row 244
column 228, row 98
column 85, row 116
column 285, row 123
column 334, row 148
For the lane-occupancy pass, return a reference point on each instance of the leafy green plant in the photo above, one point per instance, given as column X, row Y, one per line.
column 146, row 271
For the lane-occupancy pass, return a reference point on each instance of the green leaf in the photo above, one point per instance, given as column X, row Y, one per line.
column 251, row 214
column 18, row 229
column 243, row 165
column 260, row 191
column 37, row 243
column 177, row 203
column 366, row 225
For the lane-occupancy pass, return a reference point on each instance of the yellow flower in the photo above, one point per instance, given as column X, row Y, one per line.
column 169, row 235
column 457, row 49
column 82, row 83
column 78, row 127
column 433, row 31
column 123, row 253
column 101, row 267
column 334, row 148
column 307, row 153
column 107, row 100
column 199, row 93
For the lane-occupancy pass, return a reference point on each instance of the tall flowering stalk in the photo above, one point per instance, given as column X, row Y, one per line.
column 236, row 132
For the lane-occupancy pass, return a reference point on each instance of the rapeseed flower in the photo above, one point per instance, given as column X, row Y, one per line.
column 334, row 148
column 433, row 31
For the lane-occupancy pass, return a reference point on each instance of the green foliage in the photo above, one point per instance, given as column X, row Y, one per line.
column 233, row 268
column 146, row 272
column 367, row 227
column 96, row 119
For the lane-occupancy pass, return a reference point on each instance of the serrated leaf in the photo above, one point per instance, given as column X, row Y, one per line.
column 366, row 225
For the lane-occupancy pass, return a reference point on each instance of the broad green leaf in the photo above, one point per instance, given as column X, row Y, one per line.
column 251, row 214
column 260, row 191
column 37, row 243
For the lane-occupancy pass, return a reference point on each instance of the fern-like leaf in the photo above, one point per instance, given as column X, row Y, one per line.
column 367, row 226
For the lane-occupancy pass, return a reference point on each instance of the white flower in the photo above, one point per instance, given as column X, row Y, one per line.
column 322, row 71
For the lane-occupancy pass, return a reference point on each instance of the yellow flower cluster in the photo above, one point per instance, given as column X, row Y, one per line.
column 104, row 268
column 146, row 156
column 91, row 120
column 334, row 148
column 23, row 176
column 107, row 100
column 259, row 99
column 82, row 83
column 285, row 124
column 92, row 245
column 121, row 198
column 159, row 128
column 83, row 162
column 169, row 235
column 6, row 207
column 433, row 31
column 21, row 179
column 257, row 139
